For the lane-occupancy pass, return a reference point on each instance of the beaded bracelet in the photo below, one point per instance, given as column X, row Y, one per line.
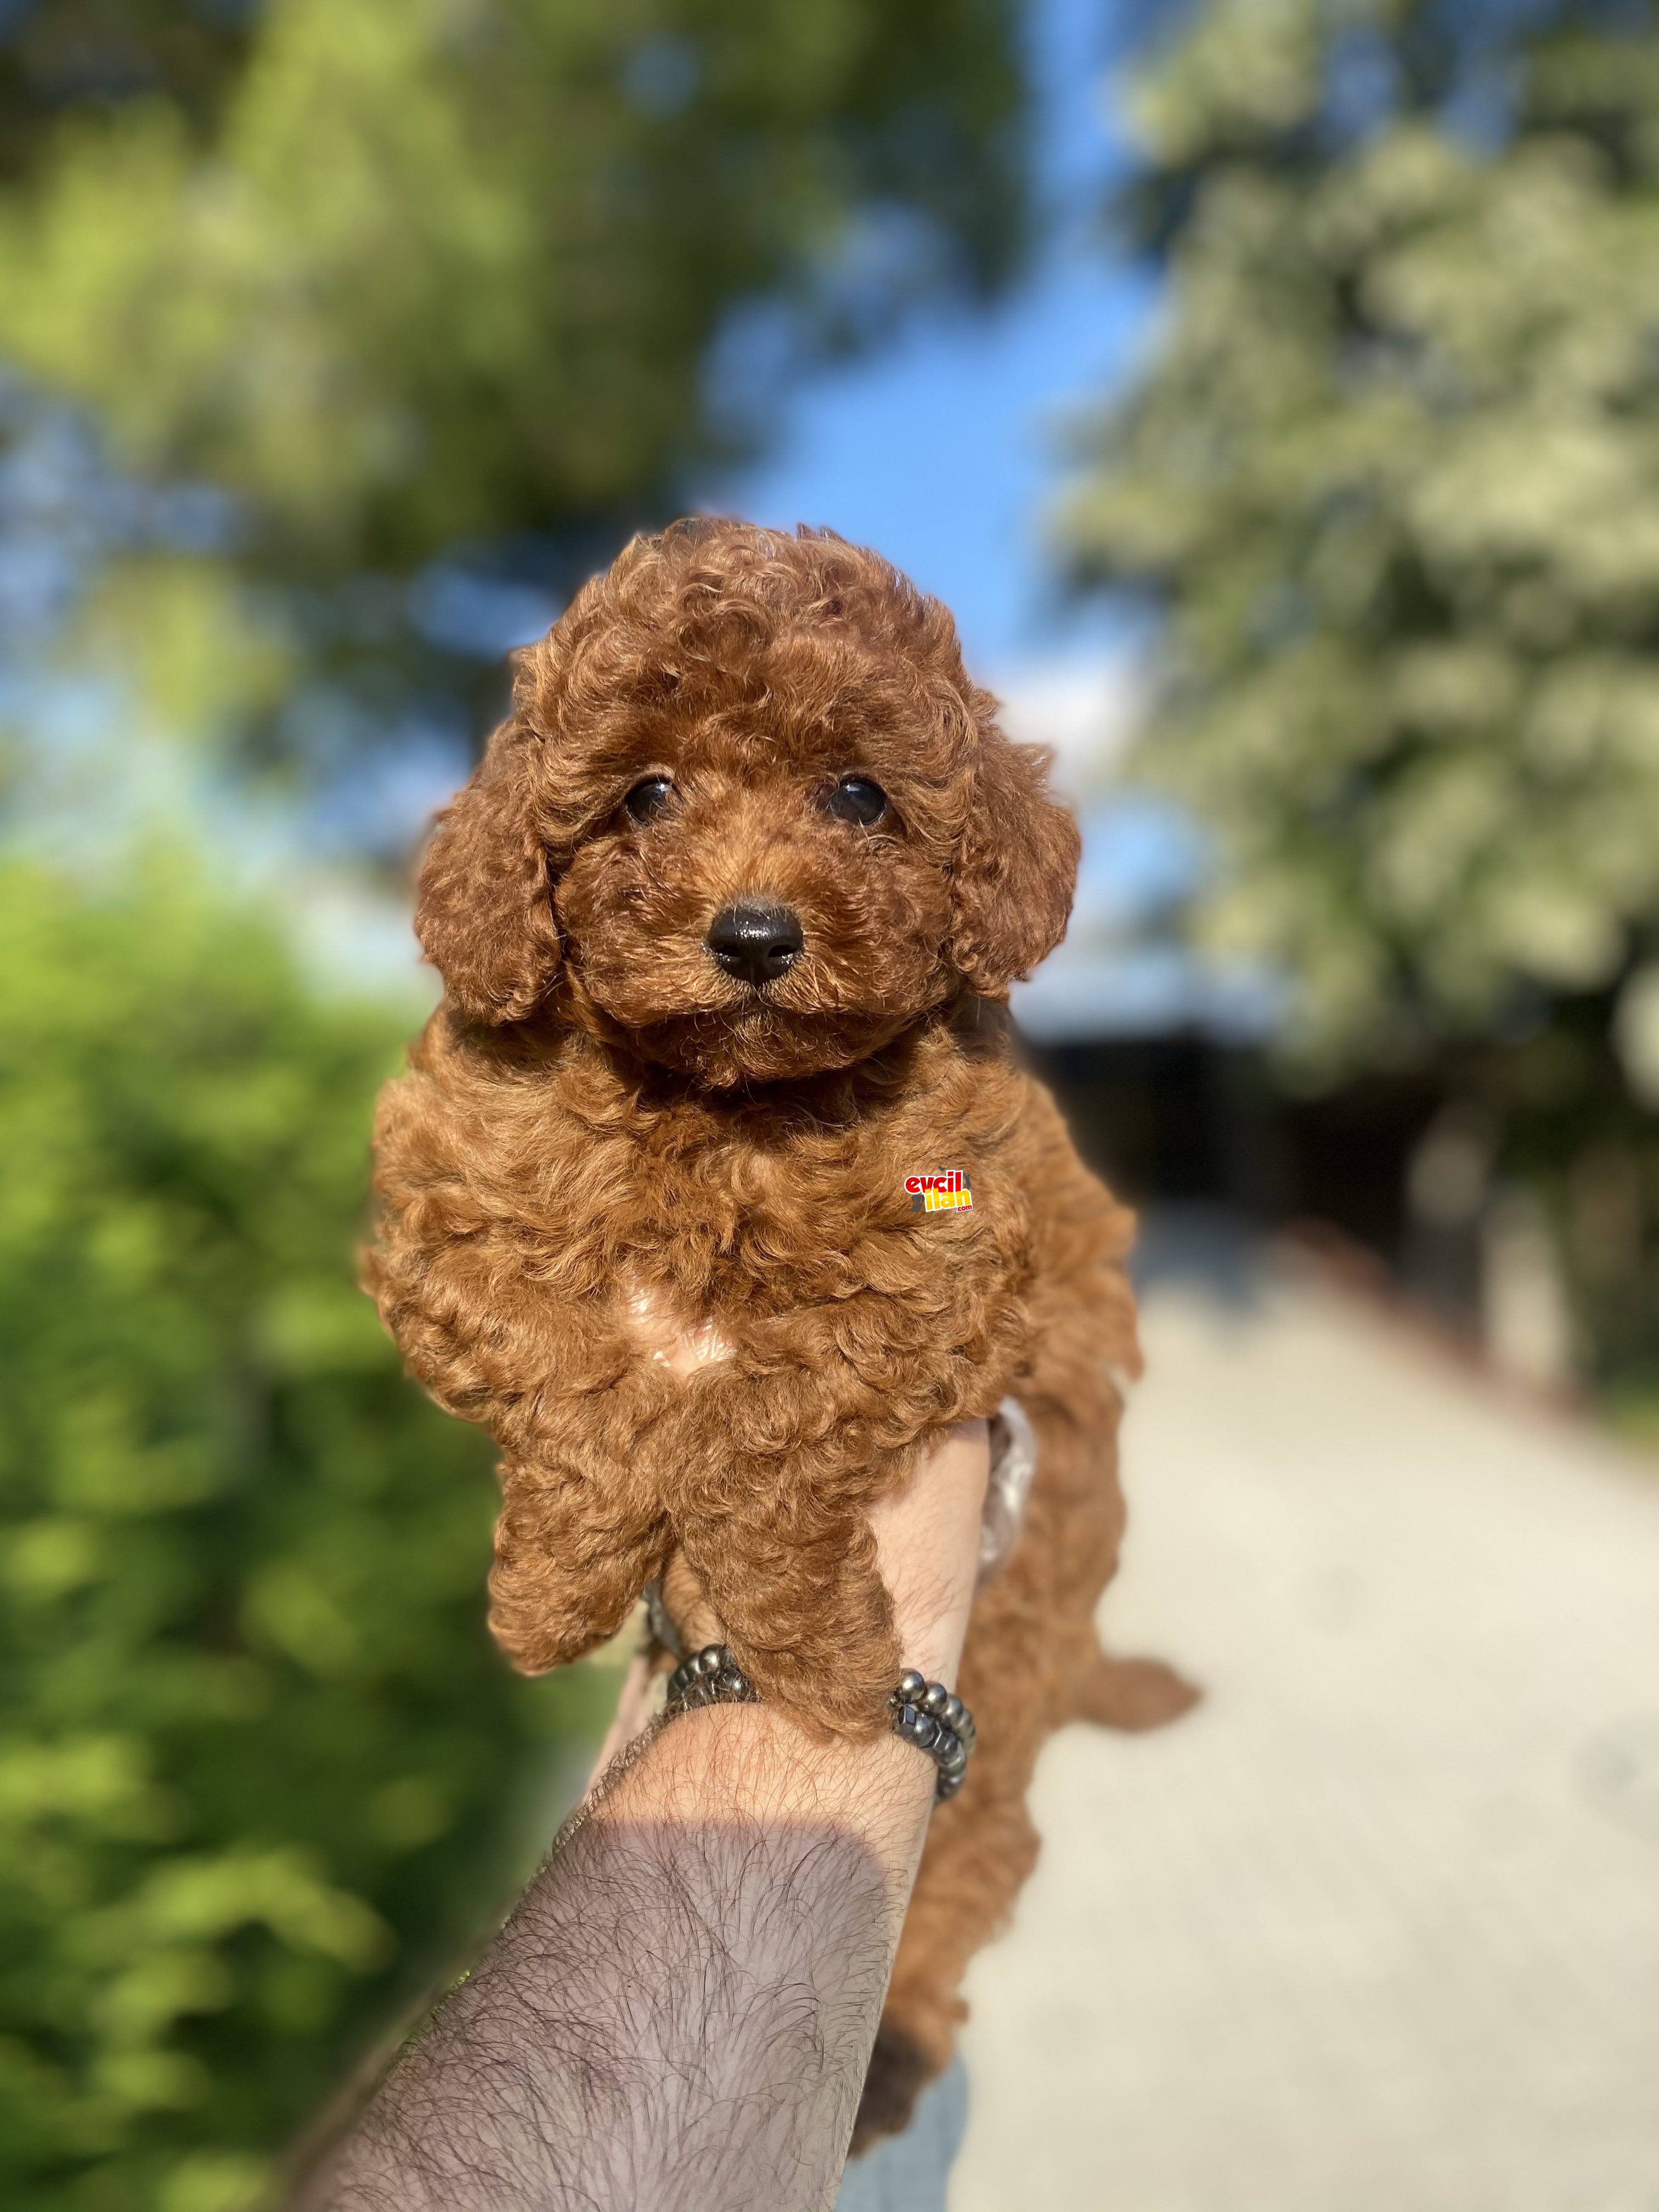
column 924, row 1713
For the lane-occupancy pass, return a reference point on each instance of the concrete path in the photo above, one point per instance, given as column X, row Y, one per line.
column 1378, row 1929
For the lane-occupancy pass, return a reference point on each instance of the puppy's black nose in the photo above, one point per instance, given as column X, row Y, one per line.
column 756, row 943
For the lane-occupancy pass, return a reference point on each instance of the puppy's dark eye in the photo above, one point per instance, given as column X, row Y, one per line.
column 856, row 798
column 648, row 800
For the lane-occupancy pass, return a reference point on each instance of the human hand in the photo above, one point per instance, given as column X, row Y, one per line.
column 927, row 1549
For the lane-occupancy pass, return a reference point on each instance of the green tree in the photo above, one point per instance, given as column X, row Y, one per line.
column 445, row 268
column 260, row 1771
column 56, row 55
column 402, row 274
column 1392, row 474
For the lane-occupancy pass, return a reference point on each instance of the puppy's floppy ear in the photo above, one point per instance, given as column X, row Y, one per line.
column 1015, row 869
column 484, row 915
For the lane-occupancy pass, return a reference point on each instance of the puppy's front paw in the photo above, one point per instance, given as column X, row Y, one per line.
column 810, row 1625
column 570, row 1564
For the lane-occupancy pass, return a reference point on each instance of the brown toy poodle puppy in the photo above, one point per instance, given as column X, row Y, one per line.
column 724, row 919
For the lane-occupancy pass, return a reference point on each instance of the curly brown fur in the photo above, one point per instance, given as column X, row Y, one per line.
column 607, row 1150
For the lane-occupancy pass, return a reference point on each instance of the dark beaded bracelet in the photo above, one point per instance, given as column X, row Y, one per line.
column 924, row 1713
column 937, row 1722
column 711, row 1677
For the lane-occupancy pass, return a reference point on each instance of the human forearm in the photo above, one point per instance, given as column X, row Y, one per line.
column 680, row 2011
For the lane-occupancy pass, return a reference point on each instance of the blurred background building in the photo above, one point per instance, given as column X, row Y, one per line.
column 1270, row 386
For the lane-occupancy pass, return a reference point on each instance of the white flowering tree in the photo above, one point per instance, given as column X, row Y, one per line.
column 1392, row 473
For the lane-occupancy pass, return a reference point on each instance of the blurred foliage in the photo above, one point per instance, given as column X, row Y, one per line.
column 1394, row 475
column 260, row 1771
column 444, row 268
column 55, row 54
column 401, row 275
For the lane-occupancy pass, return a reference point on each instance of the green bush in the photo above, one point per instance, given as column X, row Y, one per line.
column 261, row 1774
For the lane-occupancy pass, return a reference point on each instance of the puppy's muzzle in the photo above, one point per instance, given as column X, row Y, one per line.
column 756, row 944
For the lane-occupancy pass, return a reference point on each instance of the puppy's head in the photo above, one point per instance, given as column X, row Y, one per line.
column 748, row 817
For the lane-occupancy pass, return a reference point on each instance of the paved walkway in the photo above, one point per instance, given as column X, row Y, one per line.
column 1378, row 1929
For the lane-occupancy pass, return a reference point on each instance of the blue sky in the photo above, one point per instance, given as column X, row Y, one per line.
column 944, row 451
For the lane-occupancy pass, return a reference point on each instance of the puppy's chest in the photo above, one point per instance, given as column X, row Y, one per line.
column 728, row 1253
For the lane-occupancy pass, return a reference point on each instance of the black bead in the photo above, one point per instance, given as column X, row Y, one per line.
column 911, row 1686
column 934, row 1700
column 708, row 1678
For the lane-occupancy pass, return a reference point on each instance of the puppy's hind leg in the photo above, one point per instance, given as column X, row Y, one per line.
column 571, row 1558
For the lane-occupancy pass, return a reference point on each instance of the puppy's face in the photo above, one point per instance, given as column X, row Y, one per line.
column 767, row 892
column 749, row 826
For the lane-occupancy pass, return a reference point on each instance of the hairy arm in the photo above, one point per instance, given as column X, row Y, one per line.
column 680, row 2011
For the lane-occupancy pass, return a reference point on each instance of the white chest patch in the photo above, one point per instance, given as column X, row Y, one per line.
column 681, row 1347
